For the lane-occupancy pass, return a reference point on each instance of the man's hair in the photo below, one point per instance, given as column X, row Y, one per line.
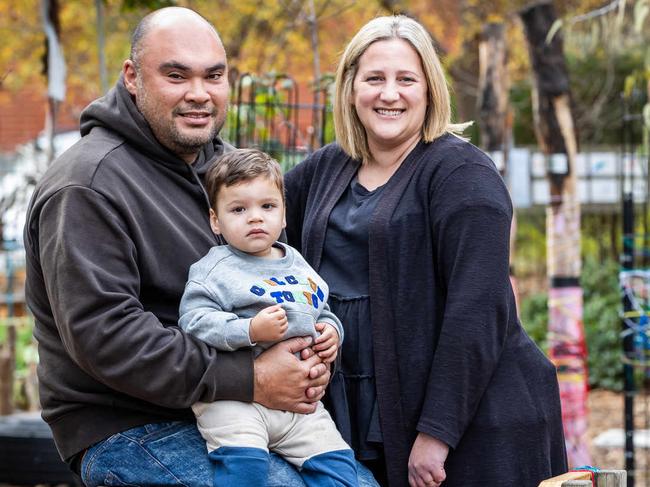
column 144, row 26
column 238, row 166
column 350, row 132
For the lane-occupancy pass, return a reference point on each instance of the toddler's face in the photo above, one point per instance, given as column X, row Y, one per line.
column 250, row 215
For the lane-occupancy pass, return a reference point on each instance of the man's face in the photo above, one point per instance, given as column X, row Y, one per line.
column 181, row 86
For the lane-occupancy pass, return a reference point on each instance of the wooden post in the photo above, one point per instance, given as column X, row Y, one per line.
column 493, row 109
column 611, row 478
column 54, row 68
column 555, row 131
column 493, row 89
column 7, row 371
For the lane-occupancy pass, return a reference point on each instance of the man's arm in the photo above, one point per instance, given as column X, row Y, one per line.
column 92, row 278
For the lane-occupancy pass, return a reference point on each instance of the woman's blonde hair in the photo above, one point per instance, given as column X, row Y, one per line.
column 350, row 133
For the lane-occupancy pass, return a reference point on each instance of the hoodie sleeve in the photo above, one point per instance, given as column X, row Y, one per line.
column 91, row 274
column 203, row 317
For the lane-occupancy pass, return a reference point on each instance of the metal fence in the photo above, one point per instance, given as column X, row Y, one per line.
column 277, row 115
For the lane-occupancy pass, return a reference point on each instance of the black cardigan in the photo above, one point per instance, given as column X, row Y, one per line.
column 445, row 331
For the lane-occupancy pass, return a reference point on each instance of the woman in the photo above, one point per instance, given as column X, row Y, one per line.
column 409, row 226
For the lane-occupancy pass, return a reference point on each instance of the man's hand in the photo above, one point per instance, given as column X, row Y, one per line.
column 283, row 381
column 269, row 325
column 327, row 344
column 427, row 461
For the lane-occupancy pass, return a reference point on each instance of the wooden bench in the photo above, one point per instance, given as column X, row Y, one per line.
column 27, row 453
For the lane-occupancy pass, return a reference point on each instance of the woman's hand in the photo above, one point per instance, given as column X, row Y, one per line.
column 327, row 344
column 427, row 461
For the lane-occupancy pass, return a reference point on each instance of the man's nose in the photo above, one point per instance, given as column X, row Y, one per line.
column 197, row 92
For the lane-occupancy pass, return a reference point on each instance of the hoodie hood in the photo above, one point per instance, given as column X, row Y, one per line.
column 117, row 112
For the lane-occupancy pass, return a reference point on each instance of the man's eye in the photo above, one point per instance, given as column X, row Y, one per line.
column 175, row 76
column 215, row 76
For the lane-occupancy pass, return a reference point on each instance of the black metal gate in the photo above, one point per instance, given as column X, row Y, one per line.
column 266, row 112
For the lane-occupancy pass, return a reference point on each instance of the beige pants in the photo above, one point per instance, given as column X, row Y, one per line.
column 295, row 437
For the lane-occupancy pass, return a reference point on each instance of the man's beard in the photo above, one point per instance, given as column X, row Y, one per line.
column 167, row 132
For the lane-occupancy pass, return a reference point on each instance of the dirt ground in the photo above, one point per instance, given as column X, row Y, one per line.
column 606, row 410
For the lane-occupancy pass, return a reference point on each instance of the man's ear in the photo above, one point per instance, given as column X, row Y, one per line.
column 130, row 76
column 214, row 222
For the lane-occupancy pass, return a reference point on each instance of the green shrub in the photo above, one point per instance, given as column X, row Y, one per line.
column 534, row 318
column 602, row 303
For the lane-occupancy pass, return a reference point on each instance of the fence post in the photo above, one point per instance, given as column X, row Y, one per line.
column 611, row 478
column 8, row 349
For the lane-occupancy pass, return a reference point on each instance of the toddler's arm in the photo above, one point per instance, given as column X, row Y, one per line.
column 327, row 344
column 331, row 335
column 203, row 317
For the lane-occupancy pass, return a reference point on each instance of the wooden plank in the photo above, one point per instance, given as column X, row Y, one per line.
column 560, row 480
column 604, row 478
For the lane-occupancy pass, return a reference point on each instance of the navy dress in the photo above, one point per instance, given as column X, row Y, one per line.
column 352, row 397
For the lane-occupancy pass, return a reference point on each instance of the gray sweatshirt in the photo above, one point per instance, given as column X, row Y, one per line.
column 227, row 288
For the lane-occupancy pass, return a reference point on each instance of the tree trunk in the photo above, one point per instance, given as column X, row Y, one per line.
column 493, row 109
column 555, row 131
column 493, row 88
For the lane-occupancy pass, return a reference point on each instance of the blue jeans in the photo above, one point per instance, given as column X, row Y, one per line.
column 171, row 453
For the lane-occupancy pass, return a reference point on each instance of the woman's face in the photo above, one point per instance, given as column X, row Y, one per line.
column 389, row 93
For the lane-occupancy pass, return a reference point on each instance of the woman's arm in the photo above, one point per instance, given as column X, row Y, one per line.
column 471, row 216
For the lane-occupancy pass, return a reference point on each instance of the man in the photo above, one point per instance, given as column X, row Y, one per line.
column 111, row 232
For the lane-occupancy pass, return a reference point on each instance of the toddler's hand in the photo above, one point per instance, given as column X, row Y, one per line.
column 327, row 344
column 269, row 325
